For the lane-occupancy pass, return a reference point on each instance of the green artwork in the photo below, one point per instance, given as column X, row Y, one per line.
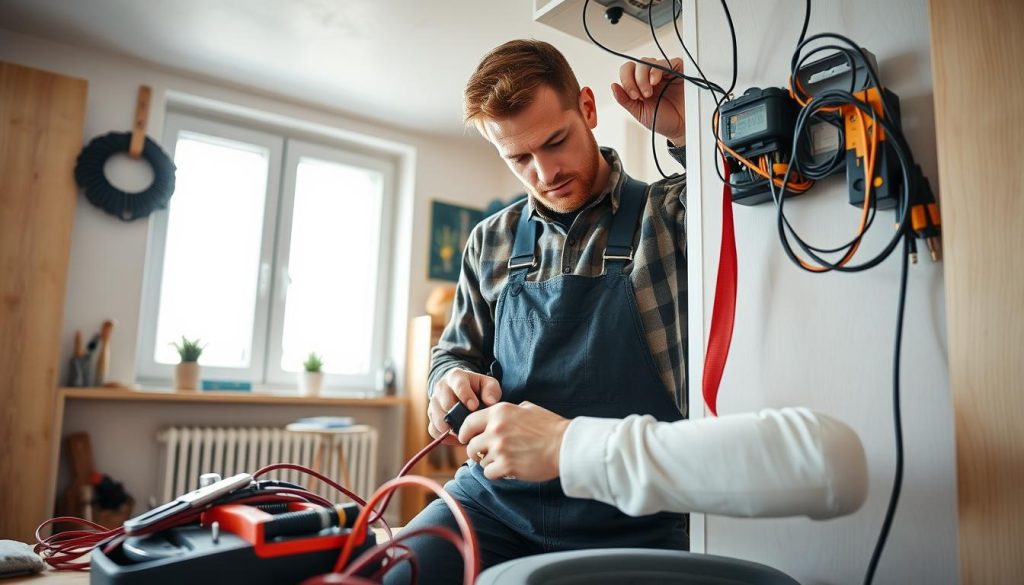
column 449, row 231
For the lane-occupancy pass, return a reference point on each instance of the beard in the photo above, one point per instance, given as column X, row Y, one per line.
column 583, row 182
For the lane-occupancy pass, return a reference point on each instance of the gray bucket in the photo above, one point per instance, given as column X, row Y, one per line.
column 625, row 566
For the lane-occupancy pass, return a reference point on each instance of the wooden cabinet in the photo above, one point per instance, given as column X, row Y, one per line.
column 42, row 116
column 979, row 114
column 439, row 465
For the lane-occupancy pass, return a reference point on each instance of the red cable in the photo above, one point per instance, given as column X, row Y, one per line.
column 61, row 550
column 408, row 556
column 470, row 549
column 274, row 467
column 723, row 314
column 408, row 466
column 267, row 469
column 374, row 554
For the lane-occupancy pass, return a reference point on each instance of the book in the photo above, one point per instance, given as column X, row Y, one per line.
column 235, row 385
column 320, row 423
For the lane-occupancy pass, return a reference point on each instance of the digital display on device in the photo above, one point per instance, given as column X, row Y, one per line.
column 748, row 122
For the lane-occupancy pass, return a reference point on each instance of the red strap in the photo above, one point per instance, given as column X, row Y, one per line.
column 723, row 315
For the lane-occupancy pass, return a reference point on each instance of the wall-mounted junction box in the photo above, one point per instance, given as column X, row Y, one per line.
column 630, row 32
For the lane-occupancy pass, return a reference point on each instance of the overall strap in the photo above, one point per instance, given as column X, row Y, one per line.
column 619, row 249
column 523, row 257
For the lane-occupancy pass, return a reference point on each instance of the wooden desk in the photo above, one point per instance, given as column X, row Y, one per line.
column 52, row 578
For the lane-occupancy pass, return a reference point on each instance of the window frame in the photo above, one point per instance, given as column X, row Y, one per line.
column 147, row 368
column 284, row 149
column 295, row 150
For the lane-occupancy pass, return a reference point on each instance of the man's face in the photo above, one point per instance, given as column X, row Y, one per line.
column 551, row 149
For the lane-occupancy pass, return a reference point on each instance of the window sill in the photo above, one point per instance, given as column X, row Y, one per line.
column 226, row 397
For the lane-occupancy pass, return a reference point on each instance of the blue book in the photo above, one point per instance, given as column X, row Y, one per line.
column 235, row 385
column 317, row 423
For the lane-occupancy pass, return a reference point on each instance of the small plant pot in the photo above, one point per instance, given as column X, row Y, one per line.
column 186, row 376
column 310, row 383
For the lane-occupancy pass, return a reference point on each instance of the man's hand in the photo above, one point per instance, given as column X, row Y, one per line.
column 515, row 441
column 459, row 386
column 638, row 89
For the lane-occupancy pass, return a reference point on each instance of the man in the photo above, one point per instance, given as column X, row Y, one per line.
column 573, row 300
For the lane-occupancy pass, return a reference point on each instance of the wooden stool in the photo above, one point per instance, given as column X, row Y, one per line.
column 328, row 439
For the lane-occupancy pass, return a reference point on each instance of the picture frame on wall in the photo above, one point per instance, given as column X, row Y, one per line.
column 450, row 226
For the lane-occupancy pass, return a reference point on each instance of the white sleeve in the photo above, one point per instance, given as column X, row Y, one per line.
column 786, row 462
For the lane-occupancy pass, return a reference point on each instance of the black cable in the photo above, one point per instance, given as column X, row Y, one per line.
column 832, row 98
column 714, row 88
column 701, row 82
column 803, row 118
column 807, row 20
column 654, row 124
column 897, row 481
column 845, row 248
column 732, row 84
column 654, row 34
column 672, row 72
column 657, row 104
column 828, row 100
column 735, row 51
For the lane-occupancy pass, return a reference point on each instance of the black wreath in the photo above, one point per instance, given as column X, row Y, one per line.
column 124, row 205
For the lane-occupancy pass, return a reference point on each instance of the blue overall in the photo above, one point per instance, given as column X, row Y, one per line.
column 574, row 345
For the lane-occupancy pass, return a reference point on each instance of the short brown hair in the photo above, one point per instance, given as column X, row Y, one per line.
column 506, row 80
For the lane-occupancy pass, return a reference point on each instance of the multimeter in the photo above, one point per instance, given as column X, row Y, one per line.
column 235, row 544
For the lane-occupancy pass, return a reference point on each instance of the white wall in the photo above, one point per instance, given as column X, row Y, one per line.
column 825, row 341
column 108, row 255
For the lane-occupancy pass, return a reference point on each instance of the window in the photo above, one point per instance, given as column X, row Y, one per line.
column 271, row 248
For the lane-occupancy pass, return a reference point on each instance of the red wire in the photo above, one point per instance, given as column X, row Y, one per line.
column 408, row 555
column 469, row 547
column 62, row 550
column 274, row 467
column 408, row 466
column 372, row 555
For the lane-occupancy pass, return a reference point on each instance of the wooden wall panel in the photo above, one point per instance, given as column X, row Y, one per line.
column 979, row 111
column 41, row 120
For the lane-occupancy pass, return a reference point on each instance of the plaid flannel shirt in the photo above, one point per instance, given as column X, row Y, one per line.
column 657, row 273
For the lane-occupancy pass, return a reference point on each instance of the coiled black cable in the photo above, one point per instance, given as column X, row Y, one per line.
column 826, row 101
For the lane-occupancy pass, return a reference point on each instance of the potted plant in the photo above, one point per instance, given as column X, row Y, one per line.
column 186, row 373
column 311, row 378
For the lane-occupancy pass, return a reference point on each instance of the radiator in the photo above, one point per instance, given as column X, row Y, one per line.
column 348, row 458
